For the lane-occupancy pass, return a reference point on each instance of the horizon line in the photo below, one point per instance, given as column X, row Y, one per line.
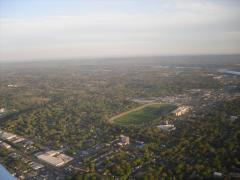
column 115, row 57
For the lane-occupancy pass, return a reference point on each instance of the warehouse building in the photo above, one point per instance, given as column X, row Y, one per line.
column 181, row 110
column 55, row 158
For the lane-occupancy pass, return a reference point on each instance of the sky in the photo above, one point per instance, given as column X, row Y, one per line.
column 65, row 29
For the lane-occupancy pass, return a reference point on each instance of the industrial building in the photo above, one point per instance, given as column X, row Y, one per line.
column 55, row 158
column 181, row 110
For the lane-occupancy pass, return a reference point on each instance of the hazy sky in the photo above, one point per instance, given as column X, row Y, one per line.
column 51, row 29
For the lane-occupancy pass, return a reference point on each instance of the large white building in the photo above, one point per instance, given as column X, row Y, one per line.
column 181, row 110
column 55, row 158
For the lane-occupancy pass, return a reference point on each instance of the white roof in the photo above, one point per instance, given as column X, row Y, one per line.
column 51, row 160
column 2, row 110
column 19, row 139
column 5, row 145
column 55, row 158
column 181, row 109
column 6, row 135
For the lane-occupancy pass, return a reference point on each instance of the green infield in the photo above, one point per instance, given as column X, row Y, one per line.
column 147, row 113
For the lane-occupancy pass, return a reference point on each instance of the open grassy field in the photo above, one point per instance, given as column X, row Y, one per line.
column 143, row 114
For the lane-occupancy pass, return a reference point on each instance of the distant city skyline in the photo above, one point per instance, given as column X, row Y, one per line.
column 62, row 29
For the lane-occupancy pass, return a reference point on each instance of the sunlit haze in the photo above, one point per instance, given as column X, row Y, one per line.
column 33, row 29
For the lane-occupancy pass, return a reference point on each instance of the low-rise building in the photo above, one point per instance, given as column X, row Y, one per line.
column 11, row 137
column 18, row 140
column 12, row 85
column 7, row 136
column 5, row 145
column 167, row 127
column 233, row 118
column 124, row 140
column 217, row 174
column 2, row 110
column 55, row 158
column 181, row 110
column 36, row 166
